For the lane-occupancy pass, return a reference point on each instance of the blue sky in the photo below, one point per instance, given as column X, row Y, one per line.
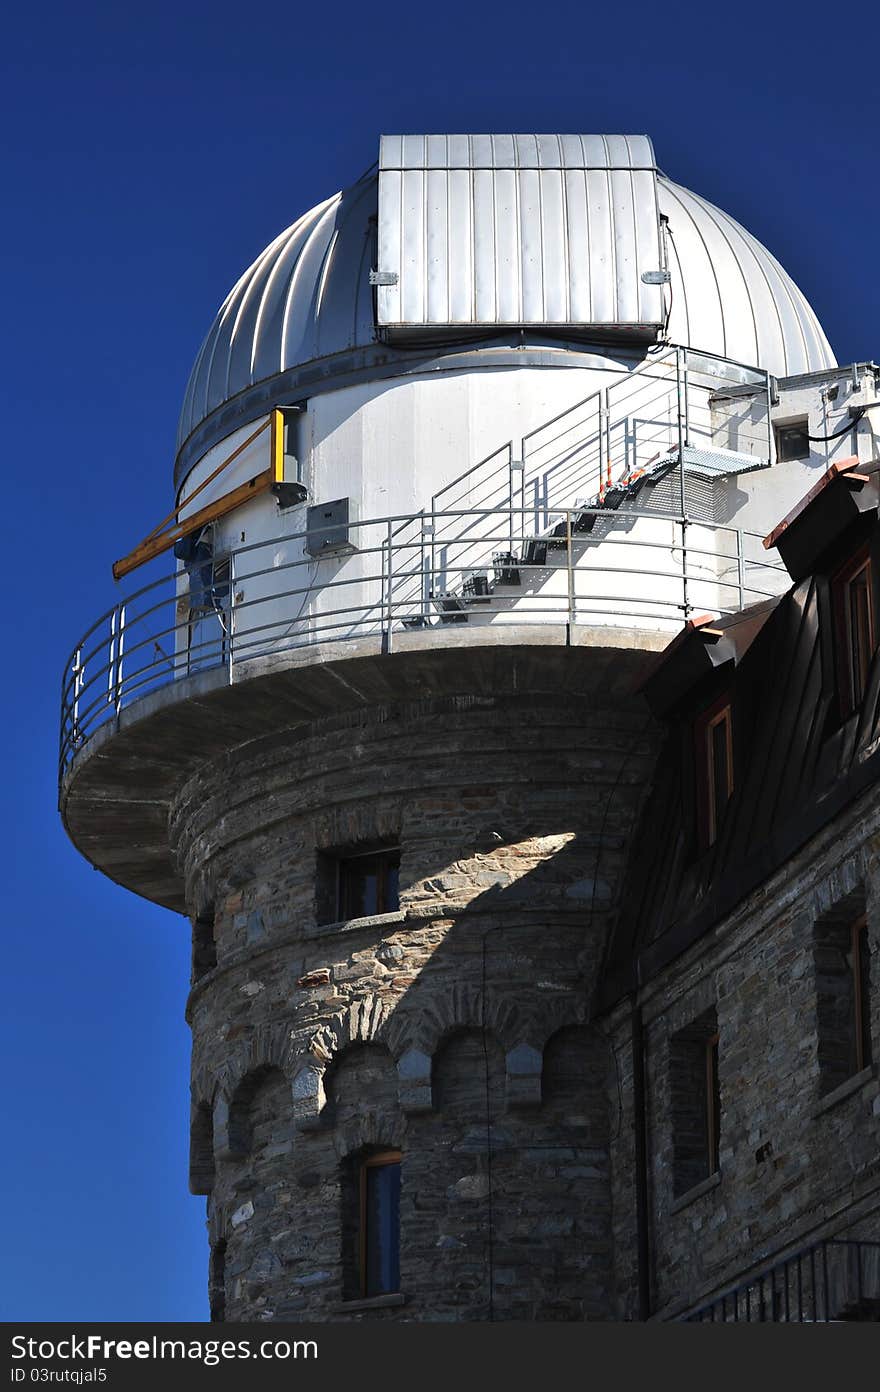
column 148, row 154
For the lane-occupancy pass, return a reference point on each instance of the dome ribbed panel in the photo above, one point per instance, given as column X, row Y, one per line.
column 270, row 319
column 308, row 297
column 730, row 296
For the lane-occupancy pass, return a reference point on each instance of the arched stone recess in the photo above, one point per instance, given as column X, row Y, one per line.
column 462, row 1007
column 267, row 1047
column 261, row 1104
column 362, row 1070
column 362, row 1022
column 417, row 1031
column 468, row 1081
column 559, row 1013
column 201, row 1148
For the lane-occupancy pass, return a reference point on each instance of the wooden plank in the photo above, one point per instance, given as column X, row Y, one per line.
column 154, row 546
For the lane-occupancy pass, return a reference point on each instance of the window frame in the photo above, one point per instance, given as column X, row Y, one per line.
column 695, row 1075
column 713, row 1105
column 709, row 822
column 382, row 854
column 798, row 423
column 849, row 698
column 204, row 944
column 842, row 961
column 858, row 965
column 375, row 1160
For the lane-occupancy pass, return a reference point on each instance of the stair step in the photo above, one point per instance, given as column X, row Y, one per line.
column 450, row 606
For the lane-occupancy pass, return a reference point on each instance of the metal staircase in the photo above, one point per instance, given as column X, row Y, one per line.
column 576, row 475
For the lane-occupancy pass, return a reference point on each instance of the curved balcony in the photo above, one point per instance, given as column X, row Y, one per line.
column 430, row 577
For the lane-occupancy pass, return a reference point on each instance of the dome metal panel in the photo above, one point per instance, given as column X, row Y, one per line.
column 481, row 223
column 308, row 297
column 730, row 296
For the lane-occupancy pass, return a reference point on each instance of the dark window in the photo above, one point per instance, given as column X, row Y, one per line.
column 714, row 769
column 380, row 1223
column 217, row 1283
column 369, row 883
column 842, row 996
column 371, row 1223
column 695, row 1103
column 857, row 961
column 792, row 440
column 852, row 591
column 201, row 1150
column 204, row 944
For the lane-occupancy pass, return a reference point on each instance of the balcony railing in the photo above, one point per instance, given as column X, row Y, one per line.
column 421, row 572
column 831, row 1280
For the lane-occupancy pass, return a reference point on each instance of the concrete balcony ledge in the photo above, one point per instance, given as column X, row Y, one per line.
column 117, row 792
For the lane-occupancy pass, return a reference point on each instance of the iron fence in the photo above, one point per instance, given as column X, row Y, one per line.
column 832, row 1280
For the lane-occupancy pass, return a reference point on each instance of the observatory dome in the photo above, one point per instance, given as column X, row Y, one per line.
column 306, row 310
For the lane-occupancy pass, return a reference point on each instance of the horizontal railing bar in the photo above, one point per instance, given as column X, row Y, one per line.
column 404, row 584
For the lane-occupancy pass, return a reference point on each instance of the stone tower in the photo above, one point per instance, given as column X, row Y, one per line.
column 461, row 454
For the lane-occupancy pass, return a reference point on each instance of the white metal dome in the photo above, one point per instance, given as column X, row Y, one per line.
column 730, row 296
column 307, row 299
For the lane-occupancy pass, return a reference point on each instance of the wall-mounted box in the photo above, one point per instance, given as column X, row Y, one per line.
column 287, row 469
column 330, row 528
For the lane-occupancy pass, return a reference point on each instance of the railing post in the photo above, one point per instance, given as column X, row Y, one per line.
column 432, row 583
column 78, row 675
column 533, row 521
column 111, row 660
column 230, row 626
column 423, row 577
column 120, row 640
column 740, row 569
column 389, row 593
column 686, row 395
column 608, row 436
column 769, row 420
column 680, row 430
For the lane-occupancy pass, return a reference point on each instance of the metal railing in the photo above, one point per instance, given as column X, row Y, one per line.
column 674, row 399
column 834, row 1279
column 404, row 573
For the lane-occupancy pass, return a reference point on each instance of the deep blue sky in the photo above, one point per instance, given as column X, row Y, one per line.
column 149, row 153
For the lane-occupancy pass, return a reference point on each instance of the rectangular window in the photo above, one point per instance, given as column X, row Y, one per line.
column 853, row 598
column 204, row 944
column 858, row 969
column 714, row 769
column 368, row 883
column 357, row 882
column 695, row 1103
column 792, row 440
column 379, row 1243
column 840, row 947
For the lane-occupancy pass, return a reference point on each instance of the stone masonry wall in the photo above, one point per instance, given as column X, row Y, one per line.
column 452, row 1029
column 797, row 1162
